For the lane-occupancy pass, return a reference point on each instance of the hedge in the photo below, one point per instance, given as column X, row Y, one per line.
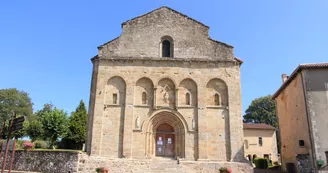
column 261, row 163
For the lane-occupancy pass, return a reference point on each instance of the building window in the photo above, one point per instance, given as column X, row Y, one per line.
column 260, row 141
column 187, row 99
column 144, row 98
column 114, row 98
column 166, row 48
column 266, row 156
column 217, row 99
column 301, row 143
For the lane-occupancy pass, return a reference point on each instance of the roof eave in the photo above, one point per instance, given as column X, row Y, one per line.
column 294, row 74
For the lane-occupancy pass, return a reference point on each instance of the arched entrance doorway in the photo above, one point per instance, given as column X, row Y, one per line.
column 165, row 135
column 165, row 138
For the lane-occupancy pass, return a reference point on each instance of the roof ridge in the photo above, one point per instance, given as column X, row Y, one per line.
column 295, row 72
column 194, row 20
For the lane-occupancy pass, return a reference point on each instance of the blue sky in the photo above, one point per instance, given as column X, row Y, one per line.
column 46, row 46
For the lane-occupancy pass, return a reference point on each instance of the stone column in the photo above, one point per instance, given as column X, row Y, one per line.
column 177, row 144
column 128, row 119
column 96, row 109
column 176, row 104
column 152, row 144
column 202, row 123
column 235, row 118
column 147, row 145
column 154, row 99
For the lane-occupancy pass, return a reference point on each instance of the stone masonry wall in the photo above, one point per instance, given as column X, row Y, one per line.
column 88, row 164
column 80, row 162
column 198, row 66
column 142, row 37
column 44, row 161
column 219, row 127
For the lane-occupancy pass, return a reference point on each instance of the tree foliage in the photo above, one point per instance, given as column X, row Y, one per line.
column 14, row 100
column 54, row 123
column 33, row 126
column 78, row 124
column 34, row 129
column 262, row 110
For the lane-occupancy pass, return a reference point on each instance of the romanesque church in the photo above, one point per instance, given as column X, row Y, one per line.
column 164, row 88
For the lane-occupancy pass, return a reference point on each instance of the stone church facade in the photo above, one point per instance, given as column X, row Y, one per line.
column 165, row 88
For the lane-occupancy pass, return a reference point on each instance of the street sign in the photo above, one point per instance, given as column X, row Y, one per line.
column 18, row 123
column 17, row 127
column 19, row 120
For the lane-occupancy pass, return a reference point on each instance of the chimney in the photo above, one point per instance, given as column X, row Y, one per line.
column 284, row 77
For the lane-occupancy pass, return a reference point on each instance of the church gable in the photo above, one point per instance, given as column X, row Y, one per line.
column 165, row 32
column 161, row 12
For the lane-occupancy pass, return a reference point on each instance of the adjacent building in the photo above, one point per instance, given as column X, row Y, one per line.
column 260, row 141
column 164, row 88
column 302, row 110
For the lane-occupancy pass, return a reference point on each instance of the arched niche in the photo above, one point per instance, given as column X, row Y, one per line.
column 144, row 92
column 115, row 91
column 187, row 88
column 165, row 93
column 217, row 93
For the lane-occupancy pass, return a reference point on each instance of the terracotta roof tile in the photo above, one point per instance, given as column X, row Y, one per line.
column 258, row 126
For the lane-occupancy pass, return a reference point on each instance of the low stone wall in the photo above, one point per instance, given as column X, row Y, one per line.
column 80, row 162
column 88, row 164
column 44, row 161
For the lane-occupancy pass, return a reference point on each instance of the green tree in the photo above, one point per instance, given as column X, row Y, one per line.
column 78, row 124
column 54, row 124
column 262, row 110
column 33, row 128
column 13, row 100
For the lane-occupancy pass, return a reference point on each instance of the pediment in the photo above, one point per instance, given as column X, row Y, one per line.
column 161, row 10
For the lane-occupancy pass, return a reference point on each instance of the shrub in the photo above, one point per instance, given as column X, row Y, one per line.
column 102, row 170
column 40, row 144
column 254, row 157
column 2, row 142
column 261, row 163
column 19, row 144
column 28, row 145
column 225, row 170
column 275, row 163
